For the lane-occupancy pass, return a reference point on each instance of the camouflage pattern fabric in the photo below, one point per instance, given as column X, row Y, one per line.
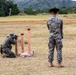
column 6, row 46
column 9, row 53
column 55, row 26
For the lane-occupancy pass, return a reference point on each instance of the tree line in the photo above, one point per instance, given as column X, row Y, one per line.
column 63, row 10
column 7, row 7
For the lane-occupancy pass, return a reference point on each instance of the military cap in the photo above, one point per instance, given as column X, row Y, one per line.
column 54, row 9
column 11, row 34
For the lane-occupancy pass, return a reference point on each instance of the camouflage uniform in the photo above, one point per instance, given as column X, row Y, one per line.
column 55, row 26
column 6, row 46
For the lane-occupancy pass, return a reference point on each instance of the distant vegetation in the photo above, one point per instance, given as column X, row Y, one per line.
column 71, row 10
column 7, row 7
column 29, row 11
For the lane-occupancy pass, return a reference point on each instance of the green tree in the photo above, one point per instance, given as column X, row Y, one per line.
column 15, row 9
column 2, row 8
column 29, row 11
column 5, row 6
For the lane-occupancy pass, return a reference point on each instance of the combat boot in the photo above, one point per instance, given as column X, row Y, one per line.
column 60, row 65
column 51, row 64
column 4, row 55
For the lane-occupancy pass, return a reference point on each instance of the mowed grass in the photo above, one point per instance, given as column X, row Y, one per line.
column 38, row 64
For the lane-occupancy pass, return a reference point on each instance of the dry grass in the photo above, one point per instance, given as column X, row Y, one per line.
column 38, row 64
column 40, row 19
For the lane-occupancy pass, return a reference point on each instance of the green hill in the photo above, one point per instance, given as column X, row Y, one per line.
column 41, row 4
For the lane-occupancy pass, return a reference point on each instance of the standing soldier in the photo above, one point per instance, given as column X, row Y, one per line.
column 6, row 46
column 55, row 27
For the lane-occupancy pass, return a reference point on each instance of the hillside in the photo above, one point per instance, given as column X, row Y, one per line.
column 41, row 4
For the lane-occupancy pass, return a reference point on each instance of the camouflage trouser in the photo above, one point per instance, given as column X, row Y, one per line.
column 9, row 53
column 52, row 43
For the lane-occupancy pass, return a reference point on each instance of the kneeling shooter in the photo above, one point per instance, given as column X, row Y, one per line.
column 7, row 45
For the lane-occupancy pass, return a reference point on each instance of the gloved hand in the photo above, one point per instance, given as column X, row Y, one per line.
column 16, row 37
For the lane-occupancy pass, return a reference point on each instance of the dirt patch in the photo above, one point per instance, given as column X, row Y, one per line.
column 68, row 21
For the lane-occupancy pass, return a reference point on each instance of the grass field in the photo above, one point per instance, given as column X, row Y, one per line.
column 38, row 64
